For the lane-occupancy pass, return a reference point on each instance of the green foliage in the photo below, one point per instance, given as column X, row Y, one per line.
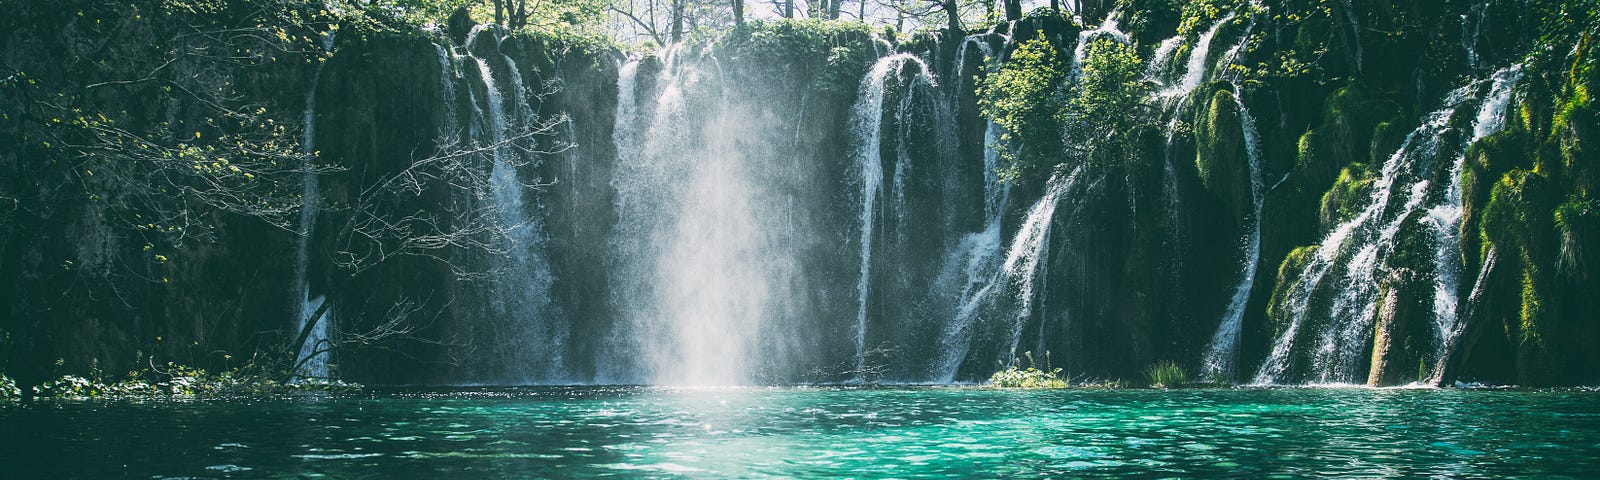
column 174, row 380
column 836, row 52
column 1166, row 374
column 1108, row 102
column 1201, row 14
column 1024, row 97
column 1577, row 224
column 1014, row 376
column 8, row 388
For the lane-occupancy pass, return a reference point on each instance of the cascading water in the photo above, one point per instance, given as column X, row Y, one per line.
column 1445, row 218
column 1222, row 353
column 1027, row 254
column 970, row 270
column 705, row 279
column 618, row 364
column 866, row 123
column 1107, row 29
column 1361, row 245
column 1195, row 70
column 528, row 344
column 312, row 358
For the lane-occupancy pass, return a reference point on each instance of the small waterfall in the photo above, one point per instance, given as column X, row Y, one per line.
column 1471, row 29
column 1195, row 70
column 450, row 131
column 1219, row 363
column 618, row 365
column 1027, row 253
column 1162, row 60
column 866, row 123
column 1363, row 243
column 973, row 265
column 1355, row 31
column 1445, row 218
column 317, row 365
column 531, row 343
column 1222, row 353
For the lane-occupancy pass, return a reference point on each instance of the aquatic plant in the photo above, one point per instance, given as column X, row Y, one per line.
column 1014, row 376
column 1166, row 374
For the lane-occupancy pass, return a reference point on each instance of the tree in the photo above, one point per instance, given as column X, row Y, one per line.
column 1024, row 97
column 152, row 136
column 1108, row 101
column 378, row 229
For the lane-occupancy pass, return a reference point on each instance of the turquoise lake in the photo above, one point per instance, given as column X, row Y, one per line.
column 815, row 433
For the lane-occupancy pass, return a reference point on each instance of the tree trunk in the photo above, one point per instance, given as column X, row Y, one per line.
column 738, row 12
column 788, row 8
column 952, row 10
column 1013, row 10
column 520, row 18
column 833, row 9
column 677, row 20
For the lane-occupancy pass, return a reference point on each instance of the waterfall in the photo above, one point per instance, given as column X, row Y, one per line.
column 617, row 364
column 1445, row 218
column 1162, row 59
column 1354, row 251
column 866, row 125
column 970, row 270
column 1471, row 28
column 1355, row 31
column 450, row 131
column 1223, row 352
column 703, row 274
column 317, row 365
column 530, row 340
column 1027, row 253
column 1195, row 70
column 1108, row 29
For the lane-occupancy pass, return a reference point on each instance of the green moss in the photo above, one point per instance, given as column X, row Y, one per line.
column 1289, row 272
column 1219, row 140
column 1339, row 204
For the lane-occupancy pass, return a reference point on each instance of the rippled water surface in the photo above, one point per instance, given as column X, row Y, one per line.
column 815, row 432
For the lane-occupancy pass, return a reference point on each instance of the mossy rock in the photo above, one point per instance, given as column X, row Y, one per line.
column 1294, row 264
column 1341, row 202
column 1400, row 331
column 1221, row 158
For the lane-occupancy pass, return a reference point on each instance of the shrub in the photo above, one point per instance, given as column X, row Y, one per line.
column 1014, row 376
column 1166, row 374
column 181, row 381
column 8, row 388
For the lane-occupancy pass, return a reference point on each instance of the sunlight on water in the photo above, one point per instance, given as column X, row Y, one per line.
column 819, row 432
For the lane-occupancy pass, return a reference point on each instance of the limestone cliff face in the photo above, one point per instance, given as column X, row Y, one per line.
column 1107, row 268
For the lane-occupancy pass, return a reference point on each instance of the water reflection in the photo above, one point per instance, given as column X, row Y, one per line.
column 816, row 432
